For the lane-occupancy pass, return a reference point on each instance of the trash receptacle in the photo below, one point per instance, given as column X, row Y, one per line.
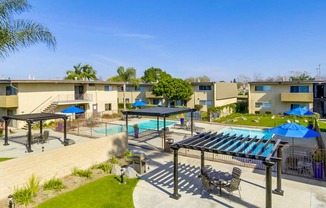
column 139, row 162
column 59, row 127
column 167, row 145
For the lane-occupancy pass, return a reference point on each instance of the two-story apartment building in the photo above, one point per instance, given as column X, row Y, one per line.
column 278, row 97
column 205, row 93
column 35, row 96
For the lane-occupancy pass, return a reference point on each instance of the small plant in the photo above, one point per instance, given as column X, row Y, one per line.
column 54, row 184
column 105, row 167
column 128, row 154
column 114, row 160
column 22, row 195
column 82, row 173
column 33, row 185
column 317, row 156
column 136, row 126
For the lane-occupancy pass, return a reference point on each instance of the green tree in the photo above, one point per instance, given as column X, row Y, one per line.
column 19, row 33
column 173, row 89
column 81, row 73
column 125, row 76
column 300, row 76
column 199, row 79
column 154, row 74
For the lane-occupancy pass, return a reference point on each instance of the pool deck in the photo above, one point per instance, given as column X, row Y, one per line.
column 156, row 186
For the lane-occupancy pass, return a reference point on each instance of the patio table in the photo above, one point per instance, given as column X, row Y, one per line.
column 219, row 178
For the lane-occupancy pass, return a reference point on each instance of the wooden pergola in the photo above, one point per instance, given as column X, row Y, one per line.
column 30, row 119
column 269, row 151
column 160, row 112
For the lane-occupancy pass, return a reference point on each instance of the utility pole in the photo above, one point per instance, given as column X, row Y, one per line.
column 318, row 72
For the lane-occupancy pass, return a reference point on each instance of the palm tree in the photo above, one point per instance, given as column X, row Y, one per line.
column 81, row 72
column 88, row 72
column 125, row 75
column 75, row 74
column 18, row 33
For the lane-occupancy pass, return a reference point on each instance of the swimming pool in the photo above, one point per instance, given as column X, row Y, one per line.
column 246, row 132
column 143, row 126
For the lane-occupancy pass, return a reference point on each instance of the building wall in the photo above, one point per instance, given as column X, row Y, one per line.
column 274, row 97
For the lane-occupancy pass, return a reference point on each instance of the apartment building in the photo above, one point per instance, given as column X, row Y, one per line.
column 278, row 97
column 36, row 96
column 205, row 93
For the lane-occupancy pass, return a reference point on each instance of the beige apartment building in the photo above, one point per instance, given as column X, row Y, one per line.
column 278, row 97
column 36, row 96
column 205, row 93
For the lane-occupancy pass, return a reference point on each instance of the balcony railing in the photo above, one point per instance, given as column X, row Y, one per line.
column 297, row 97
column 73, row 97
column 8, row 101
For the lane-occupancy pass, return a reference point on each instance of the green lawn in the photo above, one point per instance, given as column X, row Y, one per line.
column 104, row 192
column 263, row 120
column 4, row 159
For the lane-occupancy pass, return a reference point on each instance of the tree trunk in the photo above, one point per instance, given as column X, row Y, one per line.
column 124, row 96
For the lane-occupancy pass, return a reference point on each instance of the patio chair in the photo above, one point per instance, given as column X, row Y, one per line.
column 236, row 173
column 45, row 136
column 234, row 185
column 207, row 185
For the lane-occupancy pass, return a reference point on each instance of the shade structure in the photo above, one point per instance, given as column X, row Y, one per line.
column 299, row 112
column 73, row 109
column 139, row 103
column 293, row 130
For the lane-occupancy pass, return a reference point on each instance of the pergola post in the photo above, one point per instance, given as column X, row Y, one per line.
column 41, row 127
column 192, row 123
column 157, row 124
column 278, row 189
column 268, row 200
column 164, row 129
column 29, row 147
column 6, row 132
column 175, row 194
column 202, row 160
column 127, row 127
column 65, row 128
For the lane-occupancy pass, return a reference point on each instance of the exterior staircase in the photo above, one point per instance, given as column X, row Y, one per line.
column 49, row 109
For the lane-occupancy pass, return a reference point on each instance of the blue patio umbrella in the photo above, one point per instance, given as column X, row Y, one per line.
column 73, row 109
column 293, row 130
column 299, row 112
column 139, row 103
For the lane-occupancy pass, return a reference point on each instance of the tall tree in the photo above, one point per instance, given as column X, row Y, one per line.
column 300, row 76
column 81, row 73
column 152, row 75
column 19, row 33
column 125, row 76
column 203, row 78
column 173, row 89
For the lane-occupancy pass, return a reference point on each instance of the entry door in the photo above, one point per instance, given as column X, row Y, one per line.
column 94, row 110
column 79, row 92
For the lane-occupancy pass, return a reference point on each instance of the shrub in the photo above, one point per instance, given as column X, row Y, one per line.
column 105, row 167
column 128, row 154
column 114, row 160
column 257, row 112
column 317, row 156
column 54, row 184
column 33, row 185
column 22, row 195
column 268, row 112
column 82, row 173
column 198, row 107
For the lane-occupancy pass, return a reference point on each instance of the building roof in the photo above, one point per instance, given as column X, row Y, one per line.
column 158, row 111
column 35, row 117
column 287, row 82
column 231, row 144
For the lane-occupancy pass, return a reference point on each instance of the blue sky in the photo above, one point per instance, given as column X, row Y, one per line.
column 219, row 39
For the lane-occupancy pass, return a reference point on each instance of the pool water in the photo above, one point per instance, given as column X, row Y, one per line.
column 246, row 132
column 143, row 126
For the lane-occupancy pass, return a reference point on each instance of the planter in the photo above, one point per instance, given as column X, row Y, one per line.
column 136, row 132
column 182, row 121
column 318, row 169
